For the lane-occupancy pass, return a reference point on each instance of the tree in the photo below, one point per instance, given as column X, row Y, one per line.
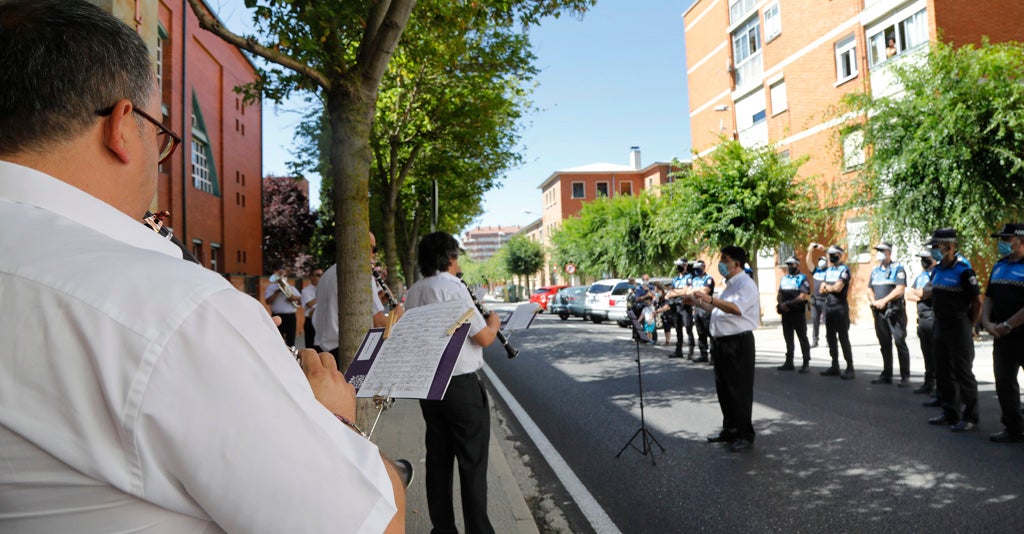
column 287, row 226
column 749, row 197
column 948, row 150
column 523, row 257
column 339, row 50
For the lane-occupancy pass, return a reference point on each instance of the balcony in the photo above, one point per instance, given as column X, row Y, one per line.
column 750, row 72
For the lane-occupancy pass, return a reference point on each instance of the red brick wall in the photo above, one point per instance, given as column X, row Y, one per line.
column 966, row 22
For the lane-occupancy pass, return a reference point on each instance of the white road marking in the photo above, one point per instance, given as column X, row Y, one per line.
column 596, row 515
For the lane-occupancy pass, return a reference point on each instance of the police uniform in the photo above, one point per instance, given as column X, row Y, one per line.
column 926, row 326
column 702, row 318
column 891, row 321
column 792, row 311
column 953, row 288
column 837, row 316
column 817, row 303
column 1005, row 291
column 683, row 313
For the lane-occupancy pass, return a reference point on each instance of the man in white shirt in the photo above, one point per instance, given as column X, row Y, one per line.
column 308, row 307
column 284, row 300
column 141, row 392
column 459, row 425
column 734, row 317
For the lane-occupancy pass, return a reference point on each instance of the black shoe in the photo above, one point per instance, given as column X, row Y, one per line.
column 814, row 344
column 942, row 420
column 831, row 371
column 848, row 373
column 1007, row 437
column 740, row 445
column 804, row 369
column 964, row 426
column 676, row 355
column 882, row 380
column 788, row 366
column 934, row 403
column 702, row 359
column 405, row 471
column 721, row 438
column 925, row 388
column 903, row 383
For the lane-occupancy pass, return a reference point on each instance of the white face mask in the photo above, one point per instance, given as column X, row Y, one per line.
column 880, row 256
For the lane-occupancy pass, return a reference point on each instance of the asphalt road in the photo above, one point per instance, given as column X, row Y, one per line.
column 830, row 455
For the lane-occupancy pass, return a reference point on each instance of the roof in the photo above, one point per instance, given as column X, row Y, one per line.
column 599, row 168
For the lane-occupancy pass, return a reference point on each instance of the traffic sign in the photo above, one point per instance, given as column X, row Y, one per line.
column 570, row 268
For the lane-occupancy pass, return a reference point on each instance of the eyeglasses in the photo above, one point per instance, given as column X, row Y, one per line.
column 168, row 139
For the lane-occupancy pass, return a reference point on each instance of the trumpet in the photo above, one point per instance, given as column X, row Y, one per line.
column 286, row 290
column 511, row 351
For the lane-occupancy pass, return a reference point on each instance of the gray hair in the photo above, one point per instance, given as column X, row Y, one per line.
column 61, row 61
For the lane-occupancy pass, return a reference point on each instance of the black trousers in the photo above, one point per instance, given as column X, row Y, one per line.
column 954, row 366
column 837, row 325
column 925, row 334
column 888, row 329
column 817, row 315
column 458, row 428
column 309, row 333
column 702, row 320
column 287, row 328
column 734, row 382
column 796, row 323
column 1007, row 359
column 684, row 318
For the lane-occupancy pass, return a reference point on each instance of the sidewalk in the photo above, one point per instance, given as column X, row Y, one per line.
column 400, row 435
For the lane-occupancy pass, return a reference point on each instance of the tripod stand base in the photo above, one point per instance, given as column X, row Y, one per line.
column 647, row 440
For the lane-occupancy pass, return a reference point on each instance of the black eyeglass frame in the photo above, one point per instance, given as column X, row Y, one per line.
column 165, row 152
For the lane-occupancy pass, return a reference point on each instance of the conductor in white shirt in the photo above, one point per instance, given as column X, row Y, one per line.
column 140, row 392
column 734, row 317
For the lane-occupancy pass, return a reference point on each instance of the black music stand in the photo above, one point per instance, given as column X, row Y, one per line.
column 647, row 439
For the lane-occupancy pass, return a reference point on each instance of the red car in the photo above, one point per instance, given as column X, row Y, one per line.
column 545, row 294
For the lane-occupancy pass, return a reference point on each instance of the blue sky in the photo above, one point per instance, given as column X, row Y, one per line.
column 615, row 79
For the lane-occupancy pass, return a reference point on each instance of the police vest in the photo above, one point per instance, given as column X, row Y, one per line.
column 1006, row 290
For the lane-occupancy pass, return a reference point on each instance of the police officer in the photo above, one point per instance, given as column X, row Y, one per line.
column 887, row 284
column 1001, row 316
column 925, row 322
column 682, row 312
column 837, row 315
column 794, row 291
column 957, row 300
column 701, row 282
column 817, row 298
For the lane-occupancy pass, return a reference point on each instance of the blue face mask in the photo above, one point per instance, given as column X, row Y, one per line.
column 936, row 254
column 723, row 268
column 1005, row 249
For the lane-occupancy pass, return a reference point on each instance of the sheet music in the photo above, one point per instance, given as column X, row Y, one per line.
column 371, row 342
column 523, row 316
column 409, row 358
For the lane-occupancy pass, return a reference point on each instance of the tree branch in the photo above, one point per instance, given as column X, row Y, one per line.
column 380, row 39
column 212, row 25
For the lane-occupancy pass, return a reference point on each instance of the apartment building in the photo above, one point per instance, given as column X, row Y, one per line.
column 482, row 242
column 768, row 71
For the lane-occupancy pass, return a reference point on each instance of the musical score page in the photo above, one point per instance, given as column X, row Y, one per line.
column 409, row 358
column 523, row 316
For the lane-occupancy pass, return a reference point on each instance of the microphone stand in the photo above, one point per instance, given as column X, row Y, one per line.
column 647, row 439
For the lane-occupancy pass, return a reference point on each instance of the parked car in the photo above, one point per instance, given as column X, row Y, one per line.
column 545, row 294
column 617, row 309
column 570, row 302
column 599, row 297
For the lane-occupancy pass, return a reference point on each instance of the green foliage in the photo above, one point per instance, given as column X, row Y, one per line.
column 522, row 256
column 947, row 151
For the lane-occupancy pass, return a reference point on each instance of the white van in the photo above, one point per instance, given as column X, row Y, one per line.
column 604, row 294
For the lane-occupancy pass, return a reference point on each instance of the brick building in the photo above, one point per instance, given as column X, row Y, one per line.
column 212, row 184
column 482, row 242
column 767, row 71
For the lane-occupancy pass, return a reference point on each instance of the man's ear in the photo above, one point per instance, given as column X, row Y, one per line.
column 116, row 130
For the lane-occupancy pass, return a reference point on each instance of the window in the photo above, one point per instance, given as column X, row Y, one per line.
column 200, row 169
column 846, row 59
column 759, row 116
column 904, row 35
column 197, row 250
column 625, row 188
column 602, row 189
column 784, row 156
column 780, row 102
column 746, row 48
column 578, row 190
column 160, row 60
column 853, row 150
column 857, row 239
column 739, row 8
column 214, row 257
column 772, row 22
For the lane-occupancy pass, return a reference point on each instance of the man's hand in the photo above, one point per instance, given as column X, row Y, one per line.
column 329, row 385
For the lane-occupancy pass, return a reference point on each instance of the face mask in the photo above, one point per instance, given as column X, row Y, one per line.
column 821, row 263
column 936, row 254
column 723, row 268
column 1005, row 249
column 880, row 257
column 926, row 262
column 792, row 269
column 698, row 272
column 834, row 258
column 680, row 269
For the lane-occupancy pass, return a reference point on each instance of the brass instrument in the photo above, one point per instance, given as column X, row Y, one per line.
column 286, row 289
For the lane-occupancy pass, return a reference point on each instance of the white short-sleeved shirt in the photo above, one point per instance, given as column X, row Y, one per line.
column 325, row 318
column 741, row 291
column 281, row 304
column 308, row 295
column 443, row 287
column 141, row 392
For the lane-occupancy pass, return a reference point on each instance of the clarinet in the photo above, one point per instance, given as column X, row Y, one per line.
column 511, row 351
column 392, row 301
